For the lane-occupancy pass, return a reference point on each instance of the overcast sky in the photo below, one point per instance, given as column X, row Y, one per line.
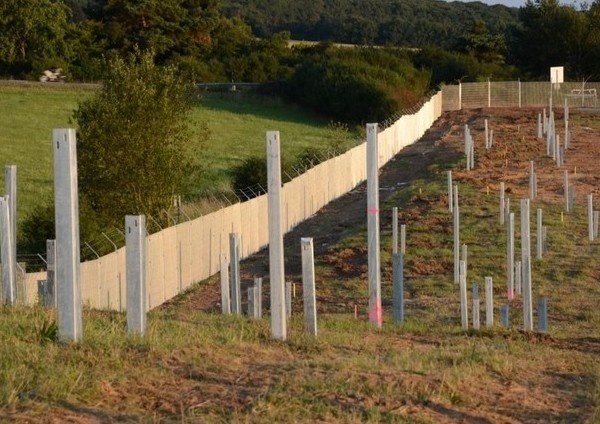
column 513, row 3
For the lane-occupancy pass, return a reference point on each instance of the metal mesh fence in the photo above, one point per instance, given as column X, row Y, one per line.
column 520, row 94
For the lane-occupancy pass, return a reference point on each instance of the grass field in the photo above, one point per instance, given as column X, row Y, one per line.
column 236, row 123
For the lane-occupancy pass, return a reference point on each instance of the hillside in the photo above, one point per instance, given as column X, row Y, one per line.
column 196, row 365
column 412, row 23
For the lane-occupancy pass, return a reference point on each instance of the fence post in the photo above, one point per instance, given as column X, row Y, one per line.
column 566, row 190
column 137, row 297
column 539, row 126
column 234, row 274
column 489, row 302
column 7, row 258
column 475, row 298
column 456, row 224
column 225, row 287
column 308, row 286
column 403, row 238
column 542, row 315
column 375, row 311
column 531, row 180
column 394, row 230
column 50, row 301
column 258, row 288
column 590, row 214
column 10, row 184
column 526, row 264
column 504, row 315
column 450, row 191
column 288, row 299
column 464, row 313
column 276, row 264
column 539, row 234
column 398, row 287
column 489, row 93
column 510, row 255
column 66, row 207
column 502, row 204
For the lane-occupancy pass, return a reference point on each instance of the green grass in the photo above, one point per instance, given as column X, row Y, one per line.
column 237, row 125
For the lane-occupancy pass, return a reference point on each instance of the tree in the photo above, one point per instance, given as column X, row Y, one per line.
column 135, row 147
column 32, row 35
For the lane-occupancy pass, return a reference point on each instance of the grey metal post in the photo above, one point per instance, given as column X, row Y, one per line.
column 375, row 311
column 225, row 287
column 542, row 315
column 50, row 300
column 590, row 214
column 258, row 293
column 10, row 184
column 398, row 287
column 487, row 135
column 489, row 302
column 539, row 234
column 464, row 313
column 566, row 190
column 510, row 256
column 531, row 177
column 66, row 207
column 252, row 313
column 8, row 264
column 234, row 274
column 539, row 126
column 450, row 191
column 308, row 286
column 526, row 260
column 403, row 239
column 137, row 292
column 502, row 205
column 456, row 236
column 518, row 277
column 288, row 299
column 276, row 265
column 504, row 314
column 475, row 299
column 394, row 230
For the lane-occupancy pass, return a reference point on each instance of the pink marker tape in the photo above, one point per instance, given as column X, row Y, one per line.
column 372, row 210
column 510, row 294
column 375, row 313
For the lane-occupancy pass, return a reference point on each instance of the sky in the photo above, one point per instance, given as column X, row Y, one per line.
column 511, row 3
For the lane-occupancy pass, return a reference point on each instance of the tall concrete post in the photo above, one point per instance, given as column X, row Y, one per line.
column 398, row 287
column 464, row 312
column 276, row 265
column 475, row 307
column 526, row 266
column 234, row 274
column 225, row 286
column 590, row 215
column 375, row 311
column 489, row 302
column 502, row 206
column 51, row 299
column 456, row 225
column 539, row 126
column 531, row 181
column 135, row 256
column 510, row 256
column 487, row 135
column 539, row 234
column 66, row 207
column 10, row 189
column 9, row 287
column 308, row 286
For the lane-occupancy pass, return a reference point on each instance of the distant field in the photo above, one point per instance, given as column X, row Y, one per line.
column 237, row 126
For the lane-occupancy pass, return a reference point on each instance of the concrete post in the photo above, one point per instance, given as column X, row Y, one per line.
column 566, row 190
column 526, row 263
column 566, row 110
column 502, row 204
column 590, row 215
column 225, row 287
column 234, row 274
column 510, row 256
column 464, row 257
column 475, row 299
column 518, row 277
column 531, row 177
column 9, row 288
column 489, row 93
column 375, row 311
column 545, row 122
column 276, row 265
column 50, row 300
column 489, row 302
column 258, row 292
column 137, row 292
column 456, row 225
column 66, row 207
column 308, row 286
column 464, row 313
column 288, row 299
column 252, row 306
column 403, row 239
column 487, row 135
column 398, row 287
column 596, row 217
column 539, row 126
column 571, row 197
column 450, row 191
column 10, row 189
column 539, row 235
column 394, row 230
